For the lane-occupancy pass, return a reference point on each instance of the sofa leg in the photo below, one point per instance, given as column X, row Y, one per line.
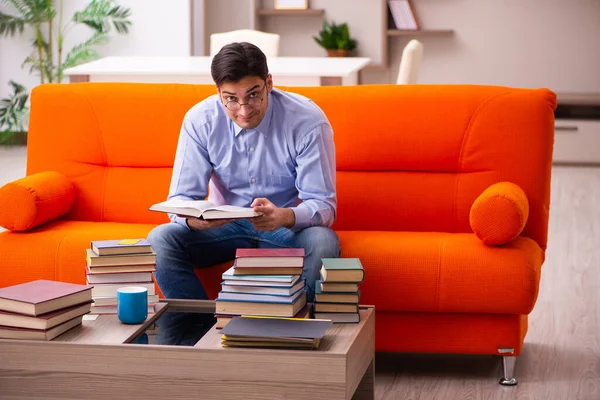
column 508, row 366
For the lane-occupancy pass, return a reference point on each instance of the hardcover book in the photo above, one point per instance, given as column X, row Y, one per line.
column 288, row 279
column 94, row 260
column 203, row 209
column 123, row 246
column 342, row 270
column 9, row 332
column 261, row 257
column 44, row 321
column 43, row 296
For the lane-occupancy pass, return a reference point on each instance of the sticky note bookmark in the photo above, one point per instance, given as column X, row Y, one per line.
column 129, row 241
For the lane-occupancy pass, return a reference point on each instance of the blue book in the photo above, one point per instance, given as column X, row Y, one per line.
column 121, row 246
column 235, row 288
column 274, row 306
column 259, row 298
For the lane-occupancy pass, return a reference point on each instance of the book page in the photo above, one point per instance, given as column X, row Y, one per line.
column 228, row 208
column 199, row 205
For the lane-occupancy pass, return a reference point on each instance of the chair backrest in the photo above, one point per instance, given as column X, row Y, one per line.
column 410, row 63
column 267, row 42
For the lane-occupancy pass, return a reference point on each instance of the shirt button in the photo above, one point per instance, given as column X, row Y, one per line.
column 251, row 148
column 253, row 180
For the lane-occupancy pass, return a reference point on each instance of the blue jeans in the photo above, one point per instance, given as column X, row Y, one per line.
column 179, row 249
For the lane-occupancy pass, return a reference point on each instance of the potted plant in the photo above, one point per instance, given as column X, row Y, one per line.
column 49, row 58
column 335, row 39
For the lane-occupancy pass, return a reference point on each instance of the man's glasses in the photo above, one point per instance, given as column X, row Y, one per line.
column 253, row 102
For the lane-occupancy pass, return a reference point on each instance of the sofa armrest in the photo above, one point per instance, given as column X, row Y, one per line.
column 34, row 200
column 499, row 214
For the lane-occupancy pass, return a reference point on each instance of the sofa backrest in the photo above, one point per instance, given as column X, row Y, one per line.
column 409, row 157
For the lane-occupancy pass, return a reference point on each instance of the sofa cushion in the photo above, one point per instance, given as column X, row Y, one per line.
column 57, row 251
column 500, row 213
column 444, row 272
column 34, row 200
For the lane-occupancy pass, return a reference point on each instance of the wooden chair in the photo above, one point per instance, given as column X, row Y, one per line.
column 267, row 42
column 410, row 63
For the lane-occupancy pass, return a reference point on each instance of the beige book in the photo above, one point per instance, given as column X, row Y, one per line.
column 7, row 332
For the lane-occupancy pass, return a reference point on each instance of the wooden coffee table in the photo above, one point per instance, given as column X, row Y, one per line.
column 97, row 361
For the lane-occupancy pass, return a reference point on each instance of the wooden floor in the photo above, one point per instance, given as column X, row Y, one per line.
column 561, row 358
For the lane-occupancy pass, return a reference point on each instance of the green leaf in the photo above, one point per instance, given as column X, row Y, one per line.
column 100, row 14
column 83, row 52
column 14, row 110
column 10, row 25
column 333, row 36
column 46, row 66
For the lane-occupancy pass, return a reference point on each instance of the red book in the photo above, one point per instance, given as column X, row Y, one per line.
column 44, row 321
column 43, row 296
column 262, row 257
column 10, row 332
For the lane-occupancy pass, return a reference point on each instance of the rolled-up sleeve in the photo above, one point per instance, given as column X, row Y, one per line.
column 191, row 168
column 315, row 179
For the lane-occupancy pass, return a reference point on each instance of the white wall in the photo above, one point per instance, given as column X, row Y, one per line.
column 158, row 28
column 522, row 43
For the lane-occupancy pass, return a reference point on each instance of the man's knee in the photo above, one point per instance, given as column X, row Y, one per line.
column 323, row 241
column 163, row 235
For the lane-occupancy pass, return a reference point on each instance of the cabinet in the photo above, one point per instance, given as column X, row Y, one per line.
column 577, row 129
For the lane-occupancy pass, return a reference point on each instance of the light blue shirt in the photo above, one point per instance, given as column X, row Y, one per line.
column 288, row 158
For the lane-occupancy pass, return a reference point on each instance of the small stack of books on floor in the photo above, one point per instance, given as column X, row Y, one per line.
column 113, row 264
column 263, row 282
column 42, row 309
column 273, row 332
column 337, row 293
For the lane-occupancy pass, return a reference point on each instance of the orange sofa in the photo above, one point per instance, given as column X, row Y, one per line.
column 412, row 160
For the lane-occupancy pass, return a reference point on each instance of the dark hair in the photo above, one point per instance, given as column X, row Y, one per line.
column 235, row 61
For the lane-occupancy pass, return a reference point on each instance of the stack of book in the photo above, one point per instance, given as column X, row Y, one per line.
column 42, row 309
column 263, row 282
column 112, row 264
column 247, row 331
column 337, row 292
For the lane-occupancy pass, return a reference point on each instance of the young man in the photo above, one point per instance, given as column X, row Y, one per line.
column 254, row 146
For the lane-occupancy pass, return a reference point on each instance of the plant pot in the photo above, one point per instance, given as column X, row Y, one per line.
column 337, row 53
column 13, row 138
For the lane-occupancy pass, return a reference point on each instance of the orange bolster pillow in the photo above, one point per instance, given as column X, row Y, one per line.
column 34, row 200
column 499, row 214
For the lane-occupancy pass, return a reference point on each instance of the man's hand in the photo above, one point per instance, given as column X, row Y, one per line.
column 272, row 217
column 203, row 224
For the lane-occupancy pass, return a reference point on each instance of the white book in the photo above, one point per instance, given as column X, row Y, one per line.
column 269, row 290
column 402, row 14
column 228, row 275
column 204, row 209
column 112, row 300
column 339, row 318
column 110, row 290
column 121, row 277
column 232, row 282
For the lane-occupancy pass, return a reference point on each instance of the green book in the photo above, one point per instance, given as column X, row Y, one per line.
column 342, row 270
column 334, row 297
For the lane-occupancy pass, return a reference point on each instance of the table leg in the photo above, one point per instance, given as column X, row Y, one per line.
column 366, row 387
column 331, row 81
column 79, row 78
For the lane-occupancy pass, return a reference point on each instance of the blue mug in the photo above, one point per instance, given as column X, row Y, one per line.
column 132, row 304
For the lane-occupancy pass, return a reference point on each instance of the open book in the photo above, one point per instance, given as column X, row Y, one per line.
column 203, row 209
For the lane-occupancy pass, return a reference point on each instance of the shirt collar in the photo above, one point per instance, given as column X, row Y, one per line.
column 264, row 125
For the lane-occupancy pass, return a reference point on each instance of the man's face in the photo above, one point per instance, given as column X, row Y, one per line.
column 248, row 93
